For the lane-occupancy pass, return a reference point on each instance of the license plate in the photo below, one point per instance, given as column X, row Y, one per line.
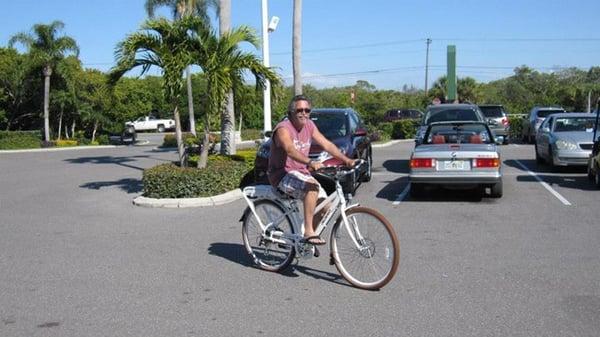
column 455, row 165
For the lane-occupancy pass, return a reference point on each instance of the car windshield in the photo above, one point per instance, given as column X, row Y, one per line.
column 331, row 125
column 459, row 133
column 567, row 124
column 450, row 115
column 492, row 111
column 546, row 113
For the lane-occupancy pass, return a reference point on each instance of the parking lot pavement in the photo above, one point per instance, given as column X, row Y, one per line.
column 78, row 259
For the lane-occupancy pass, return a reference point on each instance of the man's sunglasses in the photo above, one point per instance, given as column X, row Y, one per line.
column 306, row 111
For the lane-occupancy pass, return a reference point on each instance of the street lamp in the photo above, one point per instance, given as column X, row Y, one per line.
column 267, row 27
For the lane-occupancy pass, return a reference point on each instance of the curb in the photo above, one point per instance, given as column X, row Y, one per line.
column 220, row 199
column 53, row 149
column 393, row 142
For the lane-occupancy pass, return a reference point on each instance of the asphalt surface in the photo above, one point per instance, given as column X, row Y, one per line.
column 77, row 258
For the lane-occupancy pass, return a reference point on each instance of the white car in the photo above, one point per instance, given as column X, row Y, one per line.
column 151, row 123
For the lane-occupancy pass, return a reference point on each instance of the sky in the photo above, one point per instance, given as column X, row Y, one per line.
column 343, row 41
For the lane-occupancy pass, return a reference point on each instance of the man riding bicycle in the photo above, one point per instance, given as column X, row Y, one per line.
column 289, row 163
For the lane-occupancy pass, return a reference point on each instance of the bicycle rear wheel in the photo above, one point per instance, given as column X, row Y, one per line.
column 268, row 255
column 374, row 263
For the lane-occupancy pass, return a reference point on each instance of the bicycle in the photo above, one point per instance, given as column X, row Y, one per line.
column 363, row 244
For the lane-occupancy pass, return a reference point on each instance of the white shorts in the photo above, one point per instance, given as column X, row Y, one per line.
column 296, row 185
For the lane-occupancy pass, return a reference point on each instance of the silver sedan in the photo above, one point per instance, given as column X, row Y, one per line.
column 565, row 139
column 456, row 155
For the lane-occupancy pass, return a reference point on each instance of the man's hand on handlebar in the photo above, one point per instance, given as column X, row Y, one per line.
column 315, row 165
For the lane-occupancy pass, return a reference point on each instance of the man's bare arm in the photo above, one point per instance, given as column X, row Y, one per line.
column 331, row 148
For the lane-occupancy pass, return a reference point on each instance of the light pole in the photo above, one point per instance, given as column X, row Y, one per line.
column 267, row 27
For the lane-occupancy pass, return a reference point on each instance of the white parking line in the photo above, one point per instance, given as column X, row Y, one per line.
column 546, row 186
column 402, row 195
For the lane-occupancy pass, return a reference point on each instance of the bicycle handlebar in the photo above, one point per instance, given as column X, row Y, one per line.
column 340, row 171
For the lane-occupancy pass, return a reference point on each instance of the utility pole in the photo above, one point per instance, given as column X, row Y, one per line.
column 427, row 64
column 589, row 101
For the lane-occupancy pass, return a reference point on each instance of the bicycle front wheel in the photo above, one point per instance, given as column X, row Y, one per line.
column 266, row 253
column 373, row 262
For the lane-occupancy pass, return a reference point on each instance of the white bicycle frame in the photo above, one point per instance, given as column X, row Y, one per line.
column 336, row 201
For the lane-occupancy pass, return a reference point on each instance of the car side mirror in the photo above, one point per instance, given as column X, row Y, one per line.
column 545, row 129
column 360, row 132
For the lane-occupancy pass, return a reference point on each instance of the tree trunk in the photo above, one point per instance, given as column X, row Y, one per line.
column 297, row 47
column 178, row 135
column 188, row 75
column 47, row 73
column 94, row 131
column 73, row 129
column 205, row 144
column 60, row 121
column 228, row 115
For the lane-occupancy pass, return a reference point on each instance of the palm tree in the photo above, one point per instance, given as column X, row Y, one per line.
column 181, row 8
column 297, row 47
column 163, row 44
column 224, row 65
column 46, row 49
column 228, row 114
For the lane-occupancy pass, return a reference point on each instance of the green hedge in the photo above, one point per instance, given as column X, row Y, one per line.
column 405, row 128
column 222, row 174
column 516, row 127
column 14, row 140
column 401, row 129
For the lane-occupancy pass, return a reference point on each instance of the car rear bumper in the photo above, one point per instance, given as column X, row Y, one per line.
column 456, row 178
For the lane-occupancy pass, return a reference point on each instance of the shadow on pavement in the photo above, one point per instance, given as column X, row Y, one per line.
column 574, row 177
column 237, row 253
column 396, row 166
column 128, row 185
column 121, row 161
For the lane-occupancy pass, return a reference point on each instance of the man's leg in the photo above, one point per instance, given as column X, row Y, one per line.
column 310, row 203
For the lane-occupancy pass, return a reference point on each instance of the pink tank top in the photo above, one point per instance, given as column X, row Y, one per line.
column 279, row 163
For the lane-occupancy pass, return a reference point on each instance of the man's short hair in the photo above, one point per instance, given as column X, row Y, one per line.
column 292, row 105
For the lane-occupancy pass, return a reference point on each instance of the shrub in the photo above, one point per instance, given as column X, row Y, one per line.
column 386, row 130
column 103, row 140
column 516, row 127
column 251, row 134
column 65, row 142
column 222, row 174
column 170, row 140
column 13, row 140
column 404, row 128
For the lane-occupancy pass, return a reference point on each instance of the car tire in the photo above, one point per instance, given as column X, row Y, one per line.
column 161, row 128
column 496, row 190
column 551, row 158
column 366, row 177
column 538, row 158
column 417, row 190
column 597, row 178
column 590, row 173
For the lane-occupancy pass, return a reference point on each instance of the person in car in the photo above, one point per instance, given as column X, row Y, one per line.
column 289, row 165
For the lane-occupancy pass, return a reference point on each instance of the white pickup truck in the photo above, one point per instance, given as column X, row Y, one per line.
column 151, row 123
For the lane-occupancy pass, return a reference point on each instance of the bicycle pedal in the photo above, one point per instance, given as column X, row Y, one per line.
column 317, row 253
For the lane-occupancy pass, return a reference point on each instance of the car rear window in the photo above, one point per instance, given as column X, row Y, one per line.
column 492, row 111
column 546, row 113
column 331, row 125
column 451, row 115
column 459, row 133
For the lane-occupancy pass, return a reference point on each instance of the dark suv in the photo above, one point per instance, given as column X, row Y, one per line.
column 396, row 114
column 345, row 129
column 499, row 118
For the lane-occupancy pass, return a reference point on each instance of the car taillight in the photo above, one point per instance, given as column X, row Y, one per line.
column 505, row 121
column 486, row 162
column 422, row 163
